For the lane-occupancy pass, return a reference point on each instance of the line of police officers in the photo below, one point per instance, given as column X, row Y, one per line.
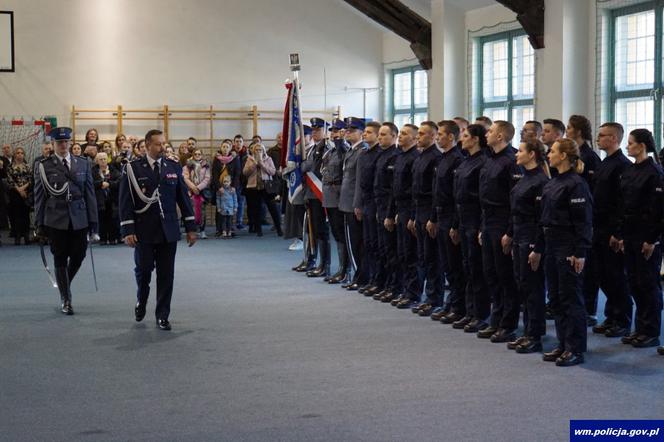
column 412, row 209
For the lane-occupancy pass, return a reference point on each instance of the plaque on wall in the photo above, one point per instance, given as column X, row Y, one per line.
column 6, row 41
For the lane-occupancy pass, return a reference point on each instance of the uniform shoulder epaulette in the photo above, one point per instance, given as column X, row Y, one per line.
column 169, row 159
column 41, row 160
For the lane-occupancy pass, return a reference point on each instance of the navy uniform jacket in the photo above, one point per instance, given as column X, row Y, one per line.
column 591, row 162
column 424, row 169
column 173, row 192
column 467, row 190
column 313, row 163
column 348, row 183
column 366, row 170
column 497, row 177
column 332, row 172
column 526, row 208
column 401, row 200
column 443, row 185
column 383, row 180
column 640, row 212
column 567, row 209
column 78, row 207
column 606, row 194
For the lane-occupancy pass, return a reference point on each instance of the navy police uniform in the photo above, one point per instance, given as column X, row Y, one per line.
column 641, row 217
column 401, row 209
column 65, row 211
column 567, row 222
column 155, row 225
column 387, row 241
column 429, row 277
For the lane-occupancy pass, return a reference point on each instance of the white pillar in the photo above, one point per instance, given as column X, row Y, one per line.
column 576, row 56
column 549, row 69
column 447, row 78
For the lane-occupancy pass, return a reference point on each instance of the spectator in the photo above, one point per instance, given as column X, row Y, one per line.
column 133, row 140
column 76, row 149
column 47, row 150
column 197, row 177
column 6, row 159
column 259, row 169
column 107, row 148
column 91, row 139
column 19, row 181
column 241, row 151
column 226, row 206
column 183, row 153
column 120, row 140
column 170, row 153
column 275, row 153
column 123, row 155
column 106, row 183
column 225, row 164
column 5, row 163
column 138, row 150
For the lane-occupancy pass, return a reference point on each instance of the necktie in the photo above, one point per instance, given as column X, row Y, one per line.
column 155, row 168
column 64, row 161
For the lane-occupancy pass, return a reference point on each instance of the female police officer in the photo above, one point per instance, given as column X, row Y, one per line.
column 567, row 222
column 641, row 189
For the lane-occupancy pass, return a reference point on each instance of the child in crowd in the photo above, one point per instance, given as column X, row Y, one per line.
column 226, row 206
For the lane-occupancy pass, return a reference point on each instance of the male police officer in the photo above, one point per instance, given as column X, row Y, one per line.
column 150, row 188
column 65, row 210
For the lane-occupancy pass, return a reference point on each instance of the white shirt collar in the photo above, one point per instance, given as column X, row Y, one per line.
column 66, row 157
column 151, row 161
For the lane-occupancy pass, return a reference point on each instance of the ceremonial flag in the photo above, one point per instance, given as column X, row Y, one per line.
column 293, row 139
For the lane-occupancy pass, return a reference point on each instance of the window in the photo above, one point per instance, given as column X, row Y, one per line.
column 409, row 103
column 636, row 86
column 506, row 76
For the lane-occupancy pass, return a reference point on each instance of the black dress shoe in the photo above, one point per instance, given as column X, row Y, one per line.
column 438, row 314
column 372, row 290
column 475, row 326
column 503, row 335
column 567, row 359
column 487, row 332
column 460, row 324
column 616, row 331
column 600, row 329
column 660, row 350
column 397, row 299
column 405, row 303
column 139, row 311
column 512, row 345
column 425, row 310
column 163, row 324
column 644, row 341
column 354, row 286
column 450, row 318
column 529, row 346
column 629, row 338
column 552, row 355
column 66, row 308
column 378, row 296
column 388, row 297
column 364, row 287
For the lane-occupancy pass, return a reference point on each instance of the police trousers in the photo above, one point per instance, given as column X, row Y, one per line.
column 644, row 281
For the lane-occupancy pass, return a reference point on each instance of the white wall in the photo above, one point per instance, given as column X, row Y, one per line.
column 146, row 53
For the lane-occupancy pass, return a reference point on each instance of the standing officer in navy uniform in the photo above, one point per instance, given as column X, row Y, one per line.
column 313, row 197
column 150, row 189
column 65, row 210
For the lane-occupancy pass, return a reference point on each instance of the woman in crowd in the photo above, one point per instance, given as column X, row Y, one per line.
column 183, row 153
column 139, row 150
column 641, row 187
column 19, row 183
column 197, row 177
column 258, row 169
column 224, row 164
column 106, row 182
column 467, row 226
column 107, row 148
column 76, row 150
column 91, row 139
column 527, row 243
column 170, row 153
column 567, row 221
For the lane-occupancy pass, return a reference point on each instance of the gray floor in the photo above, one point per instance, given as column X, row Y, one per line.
column 258, row 352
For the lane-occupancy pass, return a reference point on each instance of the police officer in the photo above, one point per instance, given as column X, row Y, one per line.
column 528, row 243
column 567, row 222
column 424, row 169
column 365, row 207
column 497, row 178
column 65, row 210
column 441, row 221
column 466, row 228
column 607, row 259
column 641, row 188
column 332, row 172
column 298, row 211
column 150, row 189
column 579, row 129
column 353, row 226
column 400, row 211
column 387, row 240
column 313, row 196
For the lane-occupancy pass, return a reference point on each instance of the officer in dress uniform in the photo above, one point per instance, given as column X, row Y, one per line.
column 150, row 189
column 65, row 210
column 332, row 171
column 313, row 197
column 309, row 260
column 353, row 225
